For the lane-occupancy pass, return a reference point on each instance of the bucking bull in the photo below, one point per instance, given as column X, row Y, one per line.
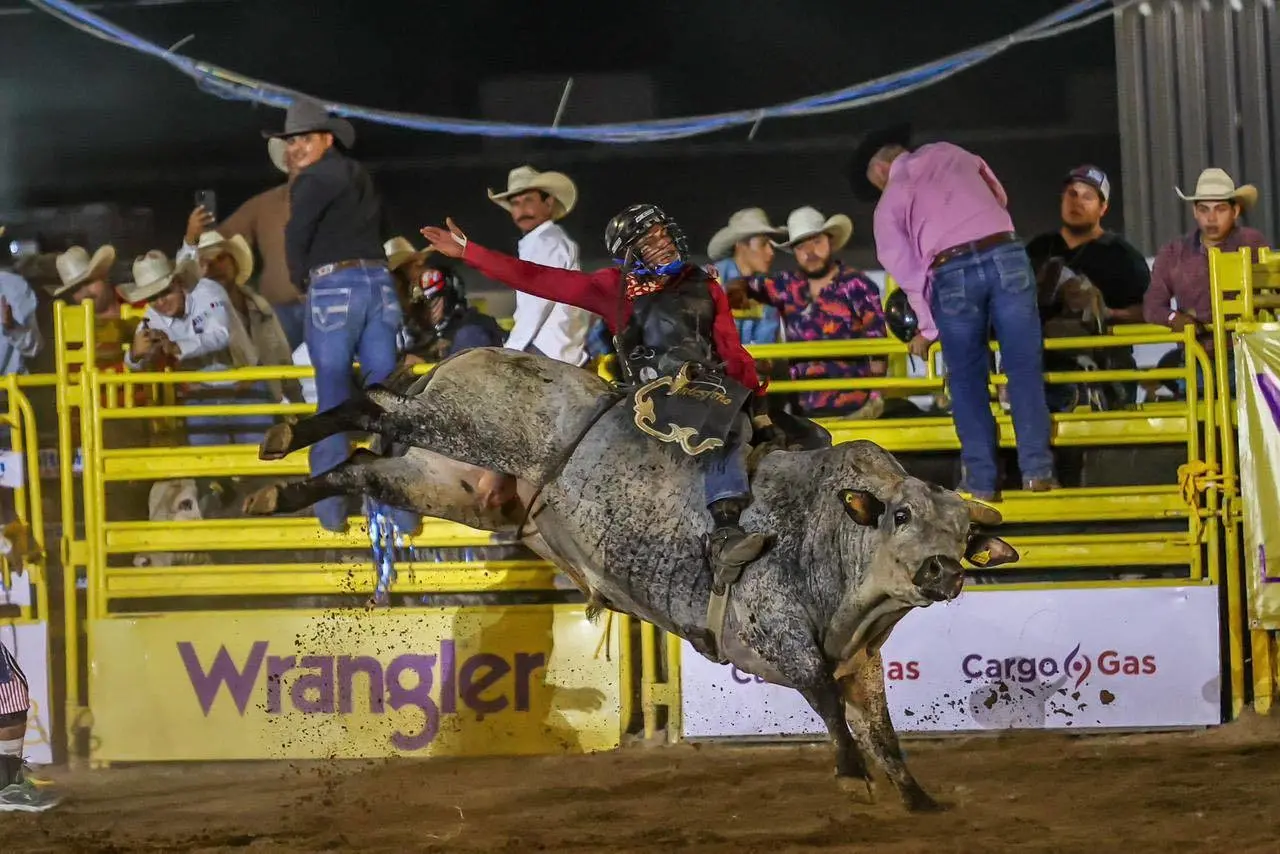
column 858, row 543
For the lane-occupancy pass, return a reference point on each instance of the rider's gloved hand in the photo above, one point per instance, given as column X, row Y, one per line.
column 764, row 430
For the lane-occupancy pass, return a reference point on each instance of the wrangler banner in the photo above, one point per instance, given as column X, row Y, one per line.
column 1258, row 399
column 350, row 684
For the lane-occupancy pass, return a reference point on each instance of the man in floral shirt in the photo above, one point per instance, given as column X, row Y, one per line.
column 822, row 301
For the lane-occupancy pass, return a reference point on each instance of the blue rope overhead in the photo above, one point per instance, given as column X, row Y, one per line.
column 231, row 86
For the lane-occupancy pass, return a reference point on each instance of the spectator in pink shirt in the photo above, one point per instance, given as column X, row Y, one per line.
column 943, row 233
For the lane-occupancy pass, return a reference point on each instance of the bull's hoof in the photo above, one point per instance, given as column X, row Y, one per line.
column 918, row 801
column 275, row 445
column 862, row 791
column 263, row 502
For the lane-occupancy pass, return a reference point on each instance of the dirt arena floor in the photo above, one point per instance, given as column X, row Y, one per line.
column 1213, row 790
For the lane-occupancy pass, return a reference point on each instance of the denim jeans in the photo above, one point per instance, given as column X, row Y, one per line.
column 995, row 287
column 205, row 430
column 352, row 313
column 293, row 320
column 1177, row 358
column 724, row 470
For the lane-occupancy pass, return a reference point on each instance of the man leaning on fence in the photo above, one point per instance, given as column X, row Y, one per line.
column 1179, row 294
column 334, row 245
column 943, row 232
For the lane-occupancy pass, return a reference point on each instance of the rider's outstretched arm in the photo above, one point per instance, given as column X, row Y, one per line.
column 597, row 292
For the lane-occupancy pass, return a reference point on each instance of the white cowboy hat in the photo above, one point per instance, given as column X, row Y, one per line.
column 524, row 178
column 212, row 243
column 75, row 268
column 803, row 223
column 745, row 223
column 153, row 274
column 400, row 251
column 276, row 148
column 1215, row 185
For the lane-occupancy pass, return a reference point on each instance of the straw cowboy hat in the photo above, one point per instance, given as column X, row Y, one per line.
column 75, row 268
column 400, row 251
column 745, row 223
column 524, row 178
column 153, row 274
column 863, row 189
column 305, row 116
column 212, row 243
column 806, row 222
column 1215, row 185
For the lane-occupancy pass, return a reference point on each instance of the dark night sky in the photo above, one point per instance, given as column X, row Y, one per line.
column 86, row 121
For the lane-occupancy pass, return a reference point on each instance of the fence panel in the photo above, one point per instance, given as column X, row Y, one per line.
column 24, row 578
column 255, row 642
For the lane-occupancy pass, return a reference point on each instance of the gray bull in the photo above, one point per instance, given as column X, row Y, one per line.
column 858, row 543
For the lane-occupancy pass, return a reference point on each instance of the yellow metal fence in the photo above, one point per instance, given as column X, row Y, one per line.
column 1194, row 542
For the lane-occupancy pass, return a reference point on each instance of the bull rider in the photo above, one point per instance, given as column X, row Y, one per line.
column 672, row 329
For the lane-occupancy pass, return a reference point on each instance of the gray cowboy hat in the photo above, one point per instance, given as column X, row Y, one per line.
column 305, row 116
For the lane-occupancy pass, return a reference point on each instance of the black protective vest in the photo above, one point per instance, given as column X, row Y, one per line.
column 670, row 327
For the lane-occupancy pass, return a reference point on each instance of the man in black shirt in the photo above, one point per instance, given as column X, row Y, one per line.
column 333, row 243
column 1111, row 264
column 1105, row 258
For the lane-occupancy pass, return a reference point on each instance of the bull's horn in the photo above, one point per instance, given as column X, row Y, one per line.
column 982, row 514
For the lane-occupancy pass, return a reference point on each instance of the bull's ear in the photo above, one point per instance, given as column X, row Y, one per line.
column 985, row 552
column 862, row 507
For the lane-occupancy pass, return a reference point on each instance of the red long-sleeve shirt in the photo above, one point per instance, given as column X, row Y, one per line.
column 600, row 292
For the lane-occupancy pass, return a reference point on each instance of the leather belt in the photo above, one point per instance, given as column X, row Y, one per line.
column 991, row 241
column 327, row 269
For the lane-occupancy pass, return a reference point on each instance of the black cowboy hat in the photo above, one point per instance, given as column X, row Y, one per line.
column 304, row 116
column 899, row 134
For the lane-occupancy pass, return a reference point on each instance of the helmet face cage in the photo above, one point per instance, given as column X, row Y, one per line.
column 434, row 282
column 625, row 230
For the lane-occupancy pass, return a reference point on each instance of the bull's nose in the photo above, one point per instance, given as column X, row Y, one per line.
column 940, row 578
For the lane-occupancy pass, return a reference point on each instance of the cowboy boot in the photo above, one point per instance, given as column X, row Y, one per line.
column 730, row 548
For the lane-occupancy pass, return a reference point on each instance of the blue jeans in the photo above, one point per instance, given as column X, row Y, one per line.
column 997, row 288
column 724, row 470
column 205, row 430
column 350, row 313
column 1177, row 358
column 293, row 320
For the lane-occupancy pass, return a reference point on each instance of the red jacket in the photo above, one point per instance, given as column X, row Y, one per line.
column 600, row 292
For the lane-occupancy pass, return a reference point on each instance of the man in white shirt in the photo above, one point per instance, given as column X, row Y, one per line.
column 190, row 330
column 537, row 201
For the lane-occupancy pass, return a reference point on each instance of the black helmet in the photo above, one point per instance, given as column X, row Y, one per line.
column 901, row 317
column 622, row 234
column 440, row 282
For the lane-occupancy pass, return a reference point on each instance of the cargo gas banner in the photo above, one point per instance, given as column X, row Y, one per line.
column 1060, row 659
column 29, row 643
column 1258, row 402
column 347, row 684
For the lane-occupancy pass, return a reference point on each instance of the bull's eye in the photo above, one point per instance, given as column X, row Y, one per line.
column 901, row 516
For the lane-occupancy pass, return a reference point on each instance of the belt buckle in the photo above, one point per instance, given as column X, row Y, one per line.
column 322, row 271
